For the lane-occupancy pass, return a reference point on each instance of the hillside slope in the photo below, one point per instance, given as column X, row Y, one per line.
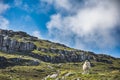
column 21, row 42
column 25, row 57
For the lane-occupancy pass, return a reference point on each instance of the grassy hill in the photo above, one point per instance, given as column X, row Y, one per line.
column 49, row 55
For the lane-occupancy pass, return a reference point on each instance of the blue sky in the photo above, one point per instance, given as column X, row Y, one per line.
column 91, row 25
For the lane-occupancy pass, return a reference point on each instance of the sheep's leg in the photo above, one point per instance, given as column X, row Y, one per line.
column 84, row 71
column 87, row 71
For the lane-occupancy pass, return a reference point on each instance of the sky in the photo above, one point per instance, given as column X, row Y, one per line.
column 90, row 25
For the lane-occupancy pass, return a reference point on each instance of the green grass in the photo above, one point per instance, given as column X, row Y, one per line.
column 15, row 55
column 39, row 72
column 100, row 71
column 47, row 44
column 43, row 53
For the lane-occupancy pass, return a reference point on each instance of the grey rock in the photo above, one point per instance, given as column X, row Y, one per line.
column 9, row 45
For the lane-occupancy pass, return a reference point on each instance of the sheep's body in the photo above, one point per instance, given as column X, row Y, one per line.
column 86, row 67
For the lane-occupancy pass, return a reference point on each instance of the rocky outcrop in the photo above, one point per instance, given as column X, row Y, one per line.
column 66, row 55
column 70, row 56
column 9, row 45
column 3, row 62
column 59, row 51
column 61, row 58
column 11, row 33
column 23, row 62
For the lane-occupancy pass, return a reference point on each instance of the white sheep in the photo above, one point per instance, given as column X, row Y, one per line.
column 86, row 67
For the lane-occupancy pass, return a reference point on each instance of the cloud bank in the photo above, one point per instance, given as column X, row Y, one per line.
column 3, row 21
column 84, row 24
column 36, row 34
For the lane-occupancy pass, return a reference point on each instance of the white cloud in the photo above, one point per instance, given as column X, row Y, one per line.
column 3, row 7
column 23, row 5
column 4, row 23
column 36, row 34
column 62, row 5
column 91, row 23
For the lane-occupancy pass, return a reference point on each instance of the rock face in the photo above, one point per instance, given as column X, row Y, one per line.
column 66, row 55
column 11, row 33
column 3, row 62
column 23, row 62
column 21, row 34
column 9, row 45
column 70, row 56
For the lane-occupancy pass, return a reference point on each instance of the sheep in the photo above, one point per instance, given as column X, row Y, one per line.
column 86, row 67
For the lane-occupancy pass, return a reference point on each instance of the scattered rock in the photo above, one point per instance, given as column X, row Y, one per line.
column 68, row 74
column 53, row 76
column 50, row 67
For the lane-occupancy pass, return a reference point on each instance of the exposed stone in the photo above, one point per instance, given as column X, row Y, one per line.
column 53, row 76
column 3, row 62
column 35, row 63
column 24, row 62
column 9, row 45
column 68, row 74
